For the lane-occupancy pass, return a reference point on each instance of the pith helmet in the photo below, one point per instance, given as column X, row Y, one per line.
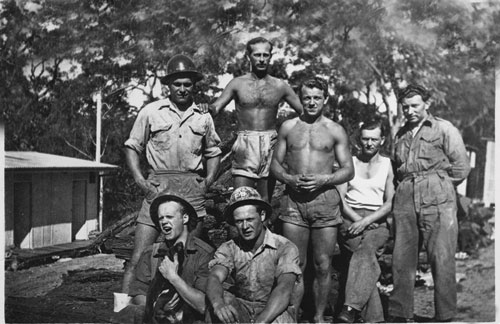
column 245, row 196
column 181, row 66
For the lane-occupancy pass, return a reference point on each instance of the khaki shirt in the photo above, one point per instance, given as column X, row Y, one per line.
column 435, row 160
column 438, row 145
column 174, row 140
column 255, row 274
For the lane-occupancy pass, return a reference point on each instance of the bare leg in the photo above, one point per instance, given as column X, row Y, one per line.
column 265, row 187
column 300, row 236
column 262, row 188
column 323, row 246
column 240, row 181
column 145, row 236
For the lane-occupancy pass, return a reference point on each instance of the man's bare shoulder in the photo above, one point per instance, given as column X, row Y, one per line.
column 237, row 81
column 244, row 78
column 240, row 82
column 289, row 124
column 327, row 122
column 280, row 83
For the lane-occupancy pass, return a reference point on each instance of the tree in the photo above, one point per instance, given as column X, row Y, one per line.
column 55, row 54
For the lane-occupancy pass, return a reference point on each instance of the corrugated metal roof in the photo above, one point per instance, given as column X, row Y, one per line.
column 35, row 160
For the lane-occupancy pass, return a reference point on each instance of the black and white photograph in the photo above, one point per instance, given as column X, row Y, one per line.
column 248, row 161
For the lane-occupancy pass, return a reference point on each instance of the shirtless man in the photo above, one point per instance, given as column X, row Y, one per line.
column 257, row 96
column 309, row 146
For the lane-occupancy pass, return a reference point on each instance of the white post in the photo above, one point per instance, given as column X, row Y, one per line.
column 2, row 212
column 98, row 99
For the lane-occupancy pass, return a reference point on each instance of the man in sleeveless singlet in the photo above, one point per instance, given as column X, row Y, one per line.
column 367, row 200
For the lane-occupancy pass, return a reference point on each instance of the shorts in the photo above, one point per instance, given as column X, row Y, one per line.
column 183, row 184
column 315, row 210
column 252, row 153
column 248, row 310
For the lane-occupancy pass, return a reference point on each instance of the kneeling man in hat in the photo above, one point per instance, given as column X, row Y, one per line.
column 264, row 267
column 171, row 276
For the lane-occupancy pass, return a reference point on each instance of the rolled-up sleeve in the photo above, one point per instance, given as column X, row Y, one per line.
column 201, row 274
column 139, row 133
column 454, row 148
column 212, row 139
column 223, row 257
column 288, row 261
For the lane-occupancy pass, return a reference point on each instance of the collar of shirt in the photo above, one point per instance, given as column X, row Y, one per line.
column 428, row 121
column 189, row 247
column 269, row 241
column 188, row 112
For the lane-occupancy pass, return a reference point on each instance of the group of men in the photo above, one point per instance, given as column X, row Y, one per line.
column 173, row 276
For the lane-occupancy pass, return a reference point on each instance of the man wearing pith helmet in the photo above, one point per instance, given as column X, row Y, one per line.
column 171, row 275
column 176, row 139
column 264, row 267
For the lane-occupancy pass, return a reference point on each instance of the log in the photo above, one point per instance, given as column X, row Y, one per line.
column 112, row 230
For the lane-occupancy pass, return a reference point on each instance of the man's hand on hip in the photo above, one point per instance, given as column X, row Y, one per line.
column 148, row 185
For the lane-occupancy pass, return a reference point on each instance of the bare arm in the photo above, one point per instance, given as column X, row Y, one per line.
column 226, row 96
column 279, row 299
column 215, row 294
column 212, row 167
column 133, row 162
column 343, row 156
column 347, row 211
column 279, row 154
column 293, row 100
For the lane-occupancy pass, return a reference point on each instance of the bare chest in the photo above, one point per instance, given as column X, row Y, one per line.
column 259, row 94
column 311, row 137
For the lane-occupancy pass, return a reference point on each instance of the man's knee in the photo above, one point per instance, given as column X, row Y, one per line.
column 322, row 264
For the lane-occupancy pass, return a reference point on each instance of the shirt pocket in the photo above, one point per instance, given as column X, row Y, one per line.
column 161, row 136
column 196, row 134
column 430, row 147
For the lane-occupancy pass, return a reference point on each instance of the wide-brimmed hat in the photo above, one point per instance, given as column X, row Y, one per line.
column 181, row 66
column 165, row 197
column 245, row 196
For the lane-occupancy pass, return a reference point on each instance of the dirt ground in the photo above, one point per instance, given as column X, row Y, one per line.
column 81, row 291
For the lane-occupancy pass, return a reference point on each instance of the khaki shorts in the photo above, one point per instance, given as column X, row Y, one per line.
column 316, row 210
column 252, row 153
column 183, row 184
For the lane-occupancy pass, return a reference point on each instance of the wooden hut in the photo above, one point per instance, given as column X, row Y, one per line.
column 50, row 199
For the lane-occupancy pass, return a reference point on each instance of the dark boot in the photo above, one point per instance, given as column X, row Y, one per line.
column 348, row 314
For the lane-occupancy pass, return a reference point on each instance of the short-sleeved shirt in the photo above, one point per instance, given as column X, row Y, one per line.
column 255, row 274
column 194, row 270
column 172, row 139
